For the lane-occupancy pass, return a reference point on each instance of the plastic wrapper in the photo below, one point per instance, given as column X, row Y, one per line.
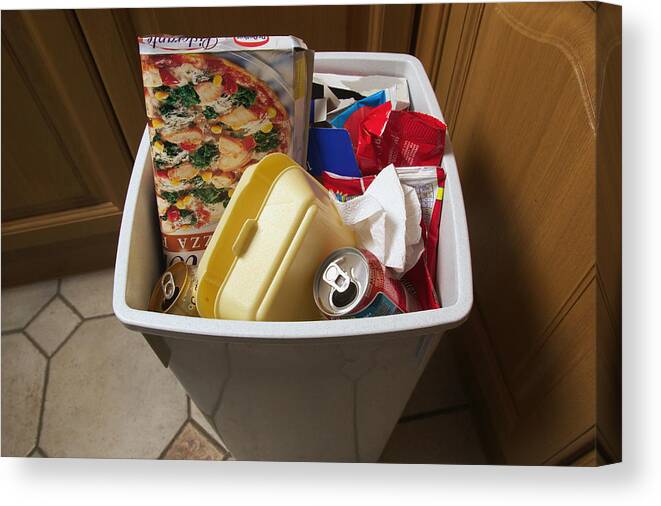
column 403, row 138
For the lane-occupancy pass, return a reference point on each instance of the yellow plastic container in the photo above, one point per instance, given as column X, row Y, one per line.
column 260, row 263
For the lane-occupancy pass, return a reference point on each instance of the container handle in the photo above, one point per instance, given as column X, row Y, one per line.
column 244, row 237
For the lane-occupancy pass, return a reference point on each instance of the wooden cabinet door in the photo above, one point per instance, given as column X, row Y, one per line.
column 73, row 113
column 111, row 35
column 65, row 166
column 531, row 94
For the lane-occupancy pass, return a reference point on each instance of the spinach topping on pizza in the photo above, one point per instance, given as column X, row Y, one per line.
column 266, row 141
column 207, row 193
column 185, row 96
column 244, row 96
column 166, row 153
column 204, row 155
column 171, row 149
column 209, row 112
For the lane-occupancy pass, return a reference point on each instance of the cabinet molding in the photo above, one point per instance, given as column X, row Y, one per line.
column 52, row 228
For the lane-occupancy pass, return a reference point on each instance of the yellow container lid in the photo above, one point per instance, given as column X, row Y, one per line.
column 278, row 227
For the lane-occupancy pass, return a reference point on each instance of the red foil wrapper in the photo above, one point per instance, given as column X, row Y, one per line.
column 404, row 138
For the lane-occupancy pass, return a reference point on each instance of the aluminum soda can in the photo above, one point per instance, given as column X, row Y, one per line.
column 352, row 283
column 175, row 291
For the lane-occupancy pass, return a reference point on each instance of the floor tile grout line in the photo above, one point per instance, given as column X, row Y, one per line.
column 40, row 423
column 42, row 452
column 189, row 408
column 41, row 310
column 68, row 303
column 98, row 316
column 75, row 309
column 211, row 439
column 73, row 331
column 204, row 431
column 35, row 343
column 20, row 329
column 66, row 339
column 174, row 438
column 456, row 408
column 9, row 332
column 34, row 317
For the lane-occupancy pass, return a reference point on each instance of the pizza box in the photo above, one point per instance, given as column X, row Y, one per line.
column 215, row 106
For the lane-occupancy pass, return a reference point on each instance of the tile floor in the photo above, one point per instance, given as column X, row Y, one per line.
column 76, row 383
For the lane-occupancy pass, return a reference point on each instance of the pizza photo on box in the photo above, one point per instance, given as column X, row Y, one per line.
column 209, row 119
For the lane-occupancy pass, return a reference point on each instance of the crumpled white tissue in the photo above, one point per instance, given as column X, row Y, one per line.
column 386, row 221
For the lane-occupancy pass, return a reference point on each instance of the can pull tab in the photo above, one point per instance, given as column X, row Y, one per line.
column 336, row 277
column 168, row 285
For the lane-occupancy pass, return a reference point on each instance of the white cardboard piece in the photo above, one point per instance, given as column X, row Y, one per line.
column 368, row 85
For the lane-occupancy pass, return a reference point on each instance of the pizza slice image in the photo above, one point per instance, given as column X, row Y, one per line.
column 204, row 90
column 209, row 119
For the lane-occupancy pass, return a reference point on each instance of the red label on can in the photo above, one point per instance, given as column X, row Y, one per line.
column 384, row 295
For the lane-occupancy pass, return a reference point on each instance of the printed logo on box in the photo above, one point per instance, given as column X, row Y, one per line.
column 186, row 242
column 180, row 43
column 252, row 41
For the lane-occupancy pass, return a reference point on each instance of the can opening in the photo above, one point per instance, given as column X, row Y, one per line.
column 168, row 285
column 165, row 305
column 343, row 299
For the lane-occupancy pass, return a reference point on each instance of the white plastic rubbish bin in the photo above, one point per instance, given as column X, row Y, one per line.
column 299, row 391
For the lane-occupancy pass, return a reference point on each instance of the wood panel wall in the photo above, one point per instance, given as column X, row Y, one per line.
column 73, row 114
column 531, row 94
